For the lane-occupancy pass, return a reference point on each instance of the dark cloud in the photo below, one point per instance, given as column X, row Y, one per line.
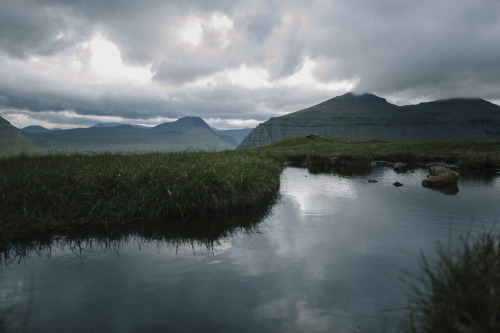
column 424, row 47
column 405, row 49
column 259, row 26
column 28, row 28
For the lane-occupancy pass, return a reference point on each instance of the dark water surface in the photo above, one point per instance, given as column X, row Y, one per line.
column 332, row 256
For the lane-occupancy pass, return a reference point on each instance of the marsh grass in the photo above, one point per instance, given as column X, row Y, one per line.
column 42, row 196
column 345, row 154
column 47, row 195
column 461, row 293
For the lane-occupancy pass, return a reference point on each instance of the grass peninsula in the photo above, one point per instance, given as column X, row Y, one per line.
column 58, row 194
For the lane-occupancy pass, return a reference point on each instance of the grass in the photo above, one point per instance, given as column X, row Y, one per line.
column 54, row 194
column 42, row 196
column 461, row 293
column 358, row 154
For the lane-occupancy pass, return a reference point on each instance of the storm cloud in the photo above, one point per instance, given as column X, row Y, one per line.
column 235, row 62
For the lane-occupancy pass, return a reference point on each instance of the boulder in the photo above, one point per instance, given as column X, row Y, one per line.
column 441, row 176
column 397, row 184
column 400, row 167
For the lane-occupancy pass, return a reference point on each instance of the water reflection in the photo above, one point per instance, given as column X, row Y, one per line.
column 201, row 235
column 308, row 190
column 448, row 190
column 329, row 257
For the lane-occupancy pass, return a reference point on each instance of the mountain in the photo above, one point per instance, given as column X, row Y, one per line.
column 233, row 137
column 238, row 134
column 185, row 134
column 34, row 129
column 473, row 116
column 118, row 124
column 14, row 141
column 368, row 116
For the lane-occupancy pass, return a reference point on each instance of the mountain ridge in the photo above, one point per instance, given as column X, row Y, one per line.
column 367, row 116
column 184, row 134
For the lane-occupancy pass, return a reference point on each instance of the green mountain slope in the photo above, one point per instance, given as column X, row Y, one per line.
column 185, row 134
column 471, row 115
column 13, row 141
column 368, row 116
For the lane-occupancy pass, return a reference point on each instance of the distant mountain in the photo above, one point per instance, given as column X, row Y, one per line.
column 34, row 129
column 185, row 134
column 118, row 124
column 368, row 116
column 185, row 123
column 237, row 134
column 14, row 141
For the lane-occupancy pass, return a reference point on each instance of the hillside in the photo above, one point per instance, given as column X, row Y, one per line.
column 368, row 116
column 185, row 134
column 238, row 134
column 14, row 141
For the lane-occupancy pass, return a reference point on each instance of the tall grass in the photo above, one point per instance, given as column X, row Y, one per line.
column 63, row 193
column 46, row 195
column 461, row 293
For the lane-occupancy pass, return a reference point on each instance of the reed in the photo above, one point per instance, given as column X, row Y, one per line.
column 65, row 193
column 460, row 293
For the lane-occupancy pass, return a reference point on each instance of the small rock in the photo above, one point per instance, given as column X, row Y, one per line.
column 400, row 167
column 372, row 181
column 397, row 184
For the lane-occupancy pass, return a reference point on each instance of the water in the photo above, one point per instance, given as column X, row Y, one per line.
column 336, row 254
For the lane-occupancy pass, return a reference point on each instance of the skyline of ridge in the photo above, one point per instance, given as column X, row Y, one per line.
column 347, row 94
column 236, row 63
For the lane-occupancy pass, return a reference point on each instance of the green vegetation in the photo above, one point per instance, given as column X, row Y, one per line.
column 62, row 194
column 358, row 154
column 66, row 194
column 461, row 292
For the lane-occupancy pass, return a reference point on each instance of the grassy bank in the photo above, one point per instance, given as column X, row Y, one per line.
column 358, row 154
column 461, row 292
column 47, row 195
column 61, row 194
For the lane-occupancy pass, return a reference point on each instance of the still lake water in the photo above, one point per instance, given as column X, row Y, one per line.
column 332, row 256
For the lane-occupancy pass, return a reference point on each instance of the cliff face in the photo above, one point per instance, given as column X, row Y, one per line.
column 368, row 116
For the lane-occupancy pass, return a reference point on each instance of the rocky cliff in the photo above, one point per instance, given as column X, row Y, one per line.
column 368, row 116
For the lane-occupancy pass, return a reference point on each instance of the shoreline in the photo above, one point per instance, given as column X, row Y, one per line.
column 67, row 194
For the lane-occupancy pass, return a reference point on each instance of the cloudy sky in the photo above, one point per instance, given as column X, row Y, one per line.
column 236, row 63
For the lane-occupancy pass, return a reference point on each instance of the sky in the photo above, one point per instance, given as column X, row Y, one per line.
column 67, row 64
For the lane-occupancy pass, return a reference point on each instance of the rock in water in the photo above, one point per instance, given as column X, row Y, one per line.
column 400, row 167
column 441, row 176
